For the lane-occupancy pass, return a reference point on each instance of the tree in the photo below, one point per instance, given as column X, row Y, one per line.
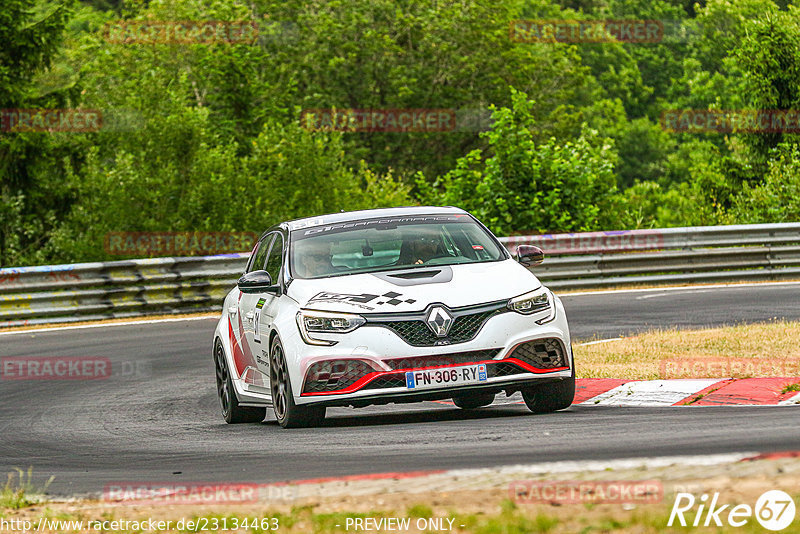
column 777, row 198
column 768, row 58
column 423, row 54
column 517, row 185
column 33, row 165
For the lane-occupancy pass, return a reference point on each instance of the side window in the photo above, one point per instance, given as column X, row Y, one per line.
column 261, row 254
column 275, row 259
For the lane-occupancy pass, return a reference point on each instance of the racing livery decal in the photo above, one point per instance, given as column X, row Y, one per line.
column 242, row 357
column 257, row 320
column 263, row 359
column 362, row 299
column 317, row 226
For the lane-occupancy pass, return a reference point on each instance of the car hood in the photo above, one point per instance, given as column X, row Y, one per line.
column 412, row 290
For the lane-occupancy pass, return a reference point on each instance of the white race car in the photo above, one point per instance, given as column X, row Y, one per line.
column 388, row 306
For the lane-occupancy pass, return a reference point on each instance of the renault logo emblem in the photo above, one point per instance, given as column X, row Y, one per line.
column 439, row 321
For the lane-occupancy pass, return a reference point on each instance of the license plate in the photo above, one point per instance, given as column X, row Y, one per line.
column 450, row 376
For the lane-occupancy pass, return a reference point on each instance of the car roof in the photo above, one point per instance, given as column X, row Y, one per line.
column 334, row 218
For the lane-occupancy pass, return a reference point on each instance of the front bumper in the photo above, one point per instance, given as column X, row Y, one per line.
column 403, row 395
column 495, row 345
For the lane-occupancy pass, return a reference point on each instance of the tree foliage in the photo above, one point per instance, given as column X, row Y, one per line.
column 551, row 136
column 517, row 184
column 34, row 192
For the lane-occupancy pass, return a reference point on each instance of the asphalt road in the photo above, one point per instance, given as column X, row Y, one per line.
column 157, row 418
column 607, row 315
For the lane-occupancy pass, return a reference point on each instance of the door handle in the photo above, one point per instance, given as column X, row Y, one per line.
column 249, row 315
column 232, row 310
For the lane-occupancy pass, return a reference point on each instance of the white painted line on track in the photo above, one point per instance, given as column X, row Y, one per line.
column 792, row 400
column 662, row 295
column 599, row 341
column 487, row 478
column 104, row 325
column 690, row 289
column 604, row 465
column 651, row 392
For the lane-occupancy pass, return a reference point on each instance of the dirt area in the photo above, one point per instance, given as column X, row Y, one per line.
column 481, row 501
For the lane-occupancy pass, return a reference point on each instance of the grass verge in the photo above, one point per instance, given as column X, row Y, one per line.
column 741, row 351
column 479, row 504
column 505, row 517
column 20, row 491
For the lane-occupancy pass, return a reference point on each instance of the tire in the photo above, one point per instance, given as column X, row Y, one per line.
column 551, row 396
column 231, row 411
column 474, row 401
column 289, row 414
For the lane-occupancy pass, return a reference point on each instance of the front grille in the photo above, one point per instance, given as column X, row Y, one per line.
column 417, row 333
column 541, row 353
column 442, row 359
column 387, row 381
column 503, row 369
column 334, row 375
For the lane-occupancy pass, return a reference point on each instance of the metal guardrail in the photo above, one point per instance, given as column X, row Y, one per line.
column 88, row 291
column 661, row 239
column 667, row 256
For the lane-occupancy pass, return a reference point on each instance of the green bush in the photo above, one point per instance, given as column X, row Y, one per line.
column 519, row 185
column 186, row 178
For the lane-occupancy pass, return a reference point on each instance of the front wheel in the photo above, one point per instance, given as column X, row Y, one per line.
column 231, row 411
column 289, row 414
column 551, row 396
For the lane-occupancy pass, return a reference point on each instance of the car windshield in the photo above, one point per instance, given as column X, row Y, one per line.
column 388, row 244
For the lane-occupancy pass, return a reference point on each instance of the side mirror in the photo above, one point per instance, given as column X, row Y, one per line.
column 255, row 282
column 530, row 256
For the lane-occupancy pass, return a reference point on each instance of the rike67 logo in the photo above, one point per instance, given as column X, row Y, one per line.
column 774, row 510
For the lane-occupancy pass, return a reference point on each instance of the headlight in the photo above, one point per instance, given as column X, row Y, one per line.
column 537, row 301
column 310, row 322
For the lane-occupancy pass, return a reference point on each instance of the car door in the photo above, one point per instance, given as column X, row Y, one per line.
column 269, row 307
column 248, row 361
column 259, row 309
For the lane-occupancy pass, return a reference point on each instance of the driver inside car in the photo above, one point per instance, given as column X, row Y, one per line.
column 421, row 249
column 316, row 261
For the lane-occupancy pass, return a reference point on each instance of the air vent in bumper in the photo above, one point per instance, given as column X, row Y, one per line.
column 545, row 353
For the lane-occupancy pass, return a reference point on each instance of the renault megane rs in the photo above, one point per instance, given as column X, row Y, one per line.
column 388, row 306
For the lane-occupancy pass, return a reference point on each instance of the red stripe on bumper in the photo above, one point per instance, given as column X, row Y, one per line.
column 366, row 379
